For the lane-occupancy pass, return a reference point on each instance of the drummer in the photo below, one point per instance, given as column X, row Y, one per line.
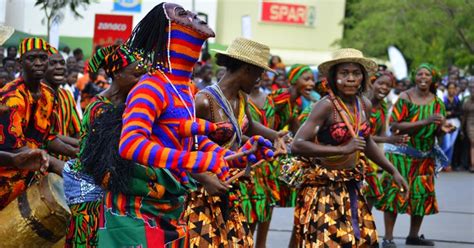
column 26, row 124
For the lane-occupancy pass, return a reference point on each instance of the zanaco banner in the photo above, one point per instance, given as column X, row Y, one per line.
column 111, row 29
column 286, row 13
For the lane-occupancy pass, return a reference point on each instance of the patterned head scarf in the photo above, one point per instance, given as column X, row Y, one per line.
column 113, row 58
column 435, row 74
column 33, row 43
column 296, row 71
column 380, row 74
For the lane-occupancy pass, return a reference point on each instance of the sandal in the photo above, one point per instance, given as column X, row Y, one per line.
column 388, row 244
column 419, row 241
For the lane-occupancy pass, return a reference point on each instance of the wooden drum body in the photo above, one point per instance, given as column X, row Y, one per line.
column 38, row 217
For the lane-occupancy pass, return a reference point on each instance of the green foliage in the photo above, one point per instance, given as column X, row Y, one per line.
column 53, row 9
column 437, row 31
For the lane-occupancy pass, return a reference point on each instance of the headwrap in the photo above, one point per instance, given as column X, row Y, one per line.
column 296, row 71
column 33, row 43
column 435, row 74
column 380, row 74
column 112, row 58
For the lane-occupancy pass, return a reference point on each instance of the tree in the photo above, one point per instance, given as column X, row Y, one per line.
column 53, row 9
column 437, row 31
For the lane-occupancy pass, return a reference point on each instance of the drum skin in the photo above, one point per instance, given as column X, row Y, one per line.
column 38, row 217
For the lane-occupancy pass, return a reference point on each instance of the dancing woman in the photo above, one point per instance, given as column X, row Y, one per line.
column 382, row 83
column 420, row 114
column 83, row 194
column 212, row 223
column 171, row 39
column 331, row 210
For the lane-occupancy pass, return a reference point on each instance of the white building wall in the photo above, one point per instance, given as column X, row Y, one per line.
column 24, row 16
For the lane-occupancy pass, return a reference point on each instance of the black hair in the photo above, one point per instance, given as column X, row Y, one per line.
column 6, row 59
column 66, row 49
column 205, row 56
column 451, row 83
column 150, row 37
column 101, row 158
column 77, row 51
column 271, row 58
column 332, row 79
column 12, row 47
column 228, row 62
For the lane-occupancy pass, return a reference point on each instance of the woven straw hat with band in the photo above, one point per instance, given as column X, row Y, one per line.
column 348, row 55
column 248, row 51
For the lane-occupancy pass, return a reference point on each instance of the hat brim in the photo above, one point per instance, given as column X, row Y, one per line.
column 369, row 65
column 246, row 60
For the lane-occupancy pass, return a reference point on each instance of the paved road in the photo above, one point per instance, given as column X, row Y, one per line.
column 453, row 227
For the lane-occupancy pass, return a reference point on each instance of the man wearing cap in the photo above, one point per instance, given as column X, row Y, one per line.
column 26, row 124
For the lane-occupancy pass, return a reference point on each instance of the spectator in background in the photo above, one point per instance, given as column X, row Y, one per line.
column 66, row 52
column 78, row 54
column 400, row 86
column 205, row 77
column 279, row 80
column 275, row 62
column 468, row 121
column 12, row 52
column 2, row 54
column 10, row 67
column 463, row 91
column 453, row 114
column 4, row 77
column 71, row 64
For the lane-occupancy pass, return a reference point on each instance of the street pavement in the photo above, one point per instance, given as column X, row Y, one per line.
column 452, row 227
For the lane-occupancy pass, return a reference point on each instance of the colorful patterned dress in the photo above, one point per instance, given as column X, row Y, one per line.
column 260, row 194
column 83, row 196
column 28, row 123
column 219, row 221
column 418, row 171
column 372, row 187
column 331, row 210
column 285, row 113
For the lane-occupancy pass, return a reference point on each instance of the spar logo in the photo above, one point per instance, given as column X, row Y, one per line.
column 112, row 26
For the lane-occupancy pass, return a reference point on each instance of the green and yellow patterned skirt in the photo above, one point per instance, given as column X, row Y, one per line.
column 419, row 174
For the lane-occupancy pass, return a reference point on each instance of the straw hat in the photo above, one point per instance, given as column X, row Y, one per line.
column 5, row 33
column 248, row 51
column 348, row 55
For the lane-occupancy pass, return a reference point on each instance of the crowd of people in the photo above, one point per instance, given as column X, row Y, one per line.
column 160, row 145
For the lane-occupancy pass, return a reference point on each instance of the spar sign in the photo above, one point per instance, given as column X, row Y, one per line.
column 287, row 13
column 109, row 29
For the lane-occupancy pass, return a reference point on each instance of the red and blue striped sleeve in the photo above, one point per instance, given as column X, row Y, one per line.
column 145, row 104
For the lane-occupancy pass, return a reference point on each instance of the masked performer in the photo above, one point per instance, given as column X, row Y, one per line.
column 170, row 38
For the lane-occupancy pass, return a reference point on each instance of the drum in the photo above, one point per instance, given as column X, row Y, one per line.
column 38, row 217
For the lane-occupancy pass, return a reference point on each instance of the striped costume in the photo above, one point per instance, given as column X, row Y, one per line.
column 418, row 172
column 67, row 121
column 154, row 110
